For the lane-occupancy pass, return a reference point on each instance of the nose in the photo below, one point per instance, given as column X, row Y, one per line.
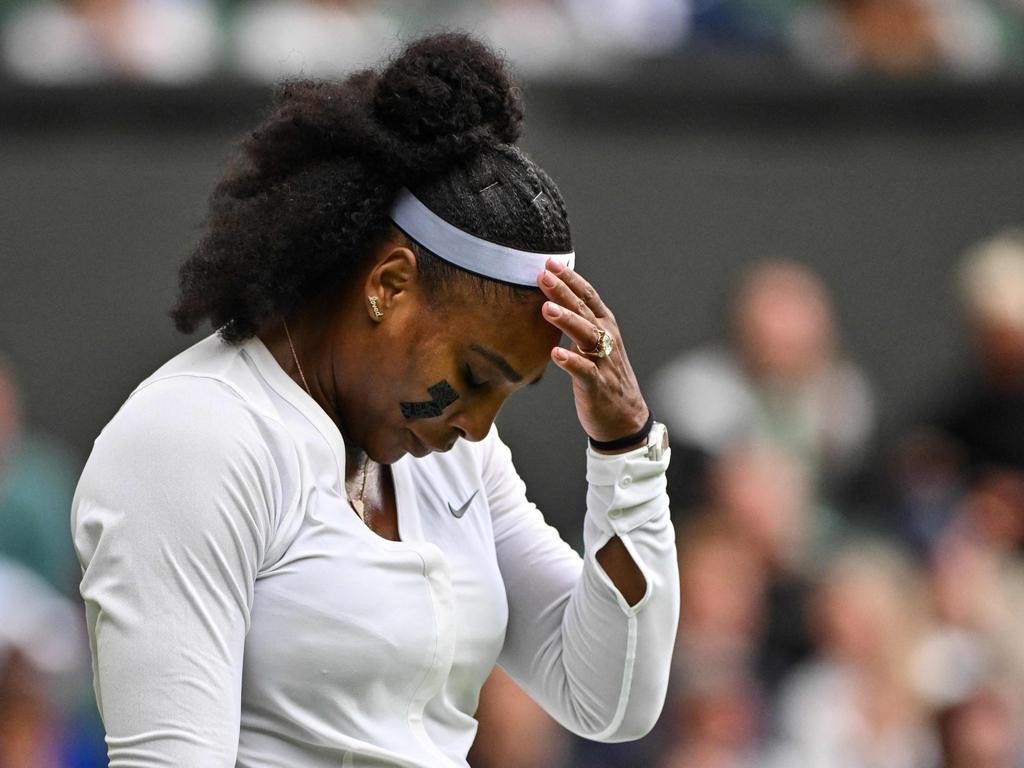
column 474, row 423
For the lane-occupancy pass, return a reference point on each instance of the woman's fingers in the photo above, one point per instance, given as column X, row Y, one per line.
column 580, row 287
column 562, row 293
column 581, row 368
column 582, row 332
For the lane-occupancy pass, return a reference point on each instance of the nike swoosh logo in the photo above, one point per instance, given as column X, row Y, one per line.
column 458, row 513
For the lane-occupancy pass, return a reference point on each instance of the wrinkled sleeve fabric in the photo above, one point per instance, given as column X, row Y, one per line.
column 171, row 522
column 598, row 665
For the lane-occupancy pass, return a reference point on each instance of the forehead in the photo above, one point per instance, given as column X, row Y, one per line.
column 509, row 326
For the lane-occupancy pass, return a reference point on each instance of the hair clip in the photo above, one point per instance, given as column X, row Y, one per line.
column 492, row 184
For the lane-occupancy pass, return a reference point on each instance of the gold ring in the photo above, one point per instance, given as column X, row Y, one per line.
column 604, row 347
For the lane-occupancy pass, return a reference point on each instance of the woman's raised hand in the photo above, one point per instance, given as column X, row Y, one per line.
column 608, row 399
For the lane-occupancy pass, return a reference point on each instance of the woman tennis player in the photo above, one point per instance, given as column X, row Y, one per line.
column 304, row 543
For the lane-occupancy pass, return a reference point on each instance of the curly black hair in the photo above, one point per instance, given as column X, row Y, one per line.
column 302, row 206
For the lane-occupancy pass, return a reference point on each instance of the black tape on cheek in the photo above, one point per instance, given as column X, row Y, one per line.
column 442, row 395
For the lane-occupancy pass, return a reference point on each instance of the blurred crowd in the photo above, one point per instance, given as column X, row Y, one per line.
column 848, row 601
column 183, row 41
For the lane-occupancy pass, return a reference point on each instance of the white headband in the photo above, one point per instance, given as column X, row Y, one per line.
column 498, row 262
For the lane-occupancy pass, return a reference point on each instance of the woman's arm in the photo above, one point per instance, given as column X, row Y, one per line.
column 593, row 644
column 596, row 662
column 171, row 521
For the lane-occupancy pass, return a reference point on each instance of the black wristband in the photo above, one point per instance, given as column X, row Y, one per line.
column 624, row 442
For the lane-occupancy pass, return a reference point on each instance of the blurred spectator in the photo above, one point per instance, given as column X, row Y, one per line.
column 46, row 698
column 855, row 705
column 971, row 666
column 781, row 383
column 559, row 38
column 535, row 35
column 898, row 37
column 764, row 493
column 765, row 497
column 722, row 583
column 744, row 23
column 977, row 437
column 980, row 732
column 987, row 419
column 514, row 731
column 994, row 511
column 78, row 41
column 717, row 726
column 36, row 485
column 275, row 39
column 977, row 594
column 713, row 716
column 631, row 27
column 40, row 652
column 928, row 479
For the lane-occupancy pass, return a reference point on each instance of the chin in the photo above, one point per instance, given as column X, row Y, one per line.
column 388, row 456
column 386, row 451
column 407, row 444
column 402, row 444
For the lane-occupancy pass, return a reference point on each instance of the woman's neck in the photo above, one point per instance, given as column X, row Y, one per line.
column 306, row 346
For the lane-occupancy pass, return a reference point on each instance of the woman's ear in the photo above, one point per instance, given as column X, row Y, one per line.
column 393, row 281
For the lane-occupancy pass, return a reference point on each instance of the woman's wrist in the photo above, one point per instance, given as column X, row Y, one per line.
column 626, row 443
column 618, row 451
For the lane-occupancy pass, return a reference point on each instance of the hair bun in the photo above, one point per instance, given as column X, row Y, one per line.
column 448, row 95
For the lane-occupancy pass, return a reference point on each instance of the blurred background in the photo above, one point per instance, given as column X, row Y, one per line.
column 807, row 216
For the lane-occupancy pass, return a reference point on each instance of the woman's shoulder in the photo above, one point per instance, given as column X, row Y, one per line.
column 205, row 399
column 210, row 367
column 188, row 448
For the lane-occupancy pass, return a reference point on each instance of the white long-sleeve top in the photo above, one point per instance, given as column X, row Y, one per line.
column 240, row 613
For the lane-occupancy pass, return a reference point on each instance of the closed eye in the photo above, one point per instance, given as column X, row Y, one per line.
column 472, row 382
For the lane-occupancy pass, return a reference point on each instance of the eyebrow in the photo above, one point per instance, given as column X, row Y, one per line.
column 499, row 362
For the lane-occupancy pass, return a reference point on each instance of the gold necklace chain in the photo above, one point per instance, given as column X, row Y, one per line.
column 357, row 504
column 295, row 357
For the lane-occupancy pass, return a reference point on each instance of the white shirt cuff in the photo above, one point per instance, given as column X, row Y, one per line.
column 623, row 488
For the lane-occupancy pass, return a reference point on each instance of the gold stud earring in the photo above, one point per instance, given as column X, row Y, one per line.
column 378, row 313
